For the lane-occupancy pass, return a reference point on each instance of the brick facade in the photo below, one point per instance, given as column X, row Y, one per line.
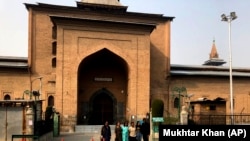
column 125, row 56
column 139, row 45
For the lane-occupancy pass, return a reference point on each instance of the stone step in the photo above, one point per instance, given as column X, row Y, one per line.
column 91, row 128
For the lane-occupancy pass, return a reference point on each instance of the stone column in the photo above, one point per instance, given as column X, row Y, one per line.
column 184, row 116
column 29, row 121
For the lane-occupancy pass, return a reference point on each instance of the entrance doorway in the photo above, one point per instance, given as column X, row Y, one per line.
column 101, row 78
column 102, row 109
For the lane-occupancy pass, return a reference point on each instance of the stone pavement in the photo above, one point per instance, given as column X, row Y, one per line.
column 82, row 137
column 79, row 137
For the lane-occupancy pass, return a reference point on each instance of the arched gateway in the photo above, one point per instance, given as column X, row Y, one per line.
column 102, row 80
column 98, row 60
column 102, row 107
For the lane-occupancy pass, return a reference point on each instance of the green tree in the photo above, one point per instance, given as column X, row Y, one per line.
column 157, row 108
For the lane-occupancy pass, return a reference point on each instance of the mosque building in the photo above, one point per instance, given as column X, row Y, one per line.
column 93, row 62
column 97, row 62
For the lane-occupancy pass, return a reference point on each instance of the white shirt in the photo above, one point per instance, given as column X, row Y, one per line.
column 132, row 131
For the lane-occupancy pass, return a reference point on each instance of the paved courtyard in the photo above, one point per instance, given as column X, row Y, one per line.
column 79, row 137
column 83, row 137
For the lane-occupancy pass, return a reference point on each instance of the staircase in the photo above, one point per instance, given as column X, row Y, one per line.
column 94, row 131
column 88, row 128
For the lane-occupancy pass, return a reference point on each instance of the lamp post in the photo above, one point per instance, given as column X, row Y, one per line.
column 40, row 89
column 229, row 19
column 35, row 93
column 179, row 93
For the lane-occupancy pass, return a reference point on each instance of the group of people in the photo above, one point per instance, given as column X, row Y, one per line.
column 126, row 132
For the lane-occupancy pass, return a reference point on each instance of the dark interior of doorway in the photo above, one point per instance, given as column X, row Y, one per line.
column 102, row 110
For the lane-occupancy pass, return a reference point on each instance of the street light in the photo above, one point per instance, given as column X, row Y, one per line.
column 40, row 89
column 36, row 93
column 229, row 19
column 179, row 93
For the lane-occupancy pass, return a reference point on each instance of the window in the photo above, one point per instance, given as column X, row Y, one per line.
column 54, row 30
column 53, row 62
column 176, row 102
column 7, row 97
column 54, row 44
column 51, row 101
column 212, row 107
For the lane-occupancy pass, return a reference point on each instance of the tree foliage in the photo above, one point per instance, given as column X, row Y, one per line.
column 157, row 108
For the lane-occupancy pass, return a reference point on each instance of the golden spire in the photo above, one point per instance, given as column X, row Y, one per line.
column 214, row 57
column 214, row 53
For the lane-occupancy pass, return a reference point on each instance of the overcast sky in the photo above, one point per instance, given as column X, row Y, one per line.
column 196, row 24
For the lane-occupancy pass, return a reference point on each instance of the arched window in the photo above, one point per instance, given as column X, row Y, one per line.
column 54, row 62
column 176, row 102
column 54, row 31
column 7, row 97
column 51, row 101
column 54, row 44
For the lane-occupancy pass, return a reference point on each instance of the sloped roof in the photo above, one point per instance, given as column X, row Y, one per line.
column 202, row 70
column 107, row 2
column 13, row 62
column 98, row 8
column 205, row 100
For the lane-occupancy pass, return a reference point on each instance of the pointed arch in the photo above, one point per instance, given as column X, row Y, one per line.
column 116, row 50
column 104, row 94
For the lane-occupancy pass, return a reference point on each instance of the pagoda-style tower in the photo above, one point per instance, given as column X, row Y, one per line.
column 214, row 59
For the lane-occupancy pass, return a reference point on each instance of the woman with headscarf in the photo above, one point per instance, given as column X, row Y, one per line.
column 118, row 132
column 125, row 131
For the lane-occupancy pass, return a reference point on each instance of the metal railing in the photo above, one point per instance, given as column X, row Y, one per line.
column 24, row 137
column 202, row 119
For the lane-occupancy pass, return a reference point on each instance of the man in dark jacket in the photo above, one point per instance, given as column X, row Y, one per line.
column 106, row 132
column 145, row 130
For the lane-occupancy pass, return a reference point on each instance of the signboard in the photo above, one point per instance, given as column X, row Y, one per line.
column 158, row 119
column 155, row 124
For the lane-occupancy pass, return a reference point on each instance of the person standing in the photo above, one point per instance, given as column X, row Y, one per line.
column 125, row 131
column 118, row 132
column 132, row 131
column 138, row 131
column 145, row 130
column 106, row 132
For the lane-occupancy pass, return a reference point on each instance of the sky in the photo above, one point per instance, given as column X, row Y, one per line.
column 196, row 24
